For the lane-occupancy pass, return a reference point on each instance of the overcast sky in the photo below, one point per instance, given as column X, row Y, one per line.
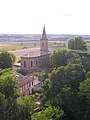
column 59, row 16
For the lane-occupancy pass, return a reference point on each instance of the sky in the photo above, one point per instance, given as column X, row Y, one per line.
column 59, row 16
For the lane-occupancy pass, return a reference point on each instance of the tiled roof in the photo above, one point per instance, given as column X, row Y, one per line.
column 22, row 80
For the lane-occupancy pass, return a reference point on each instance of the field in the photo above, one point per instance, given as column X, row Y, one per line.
column 19, row 50
column 11, row 47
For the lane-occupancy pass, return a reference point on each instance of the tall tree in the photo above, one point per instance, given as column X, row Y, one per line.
column 63, row 91
column 77, row 43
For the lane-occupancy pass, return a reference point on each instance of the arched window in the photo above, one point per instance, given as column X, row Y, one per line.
column 42, row 60
column 39, row 61
column 31, row 63
column 24, row 63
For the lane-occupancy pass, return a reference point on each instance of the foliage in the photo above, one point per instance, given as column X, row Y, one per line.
column 27, row 106
column 28, row 103
column 50, row 113
column 70, row 75
column 6, row 60
column 84, row 100
column 10, row 109
column 44, row 74
column 85, row 88
column 61, row 57
column 86, row 62
column 8, row 84
column 77, row 43
column 88, row 74
column 2, row 106
column 63, row 89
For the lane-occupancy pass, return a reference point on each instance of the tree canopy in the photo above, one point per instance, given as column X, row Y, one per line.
column 50, row 113
column 63, row 91
column 77, row 43
column 6, row 59
column 61, row 57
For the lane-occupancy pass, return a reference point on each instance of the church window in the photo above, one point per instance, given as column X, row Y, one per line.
column 29, row 84
column 36, row 62
column 39, row 61
column 24, row 63
column 31, row 63
column 32, row 83
column 42, row 60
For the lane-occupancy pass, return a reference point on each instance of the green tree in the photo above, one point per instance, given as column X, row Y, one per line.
column 77, row 43
column 6, row 60
column 27, row 106
column 61, row 57
column 69, row 75
column 8, row 84
column 49, row 113
column 88, row 74
column 2, row 106
column 63, row 91
column 84, row 100
column 10, row 109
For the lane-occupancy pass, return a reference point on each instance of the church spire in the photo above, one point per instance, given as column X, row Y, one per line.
column 44, row 42
column 44, row 36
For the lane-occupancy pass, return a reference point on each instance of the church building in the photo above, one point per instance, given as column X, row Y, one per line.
column 35, row 61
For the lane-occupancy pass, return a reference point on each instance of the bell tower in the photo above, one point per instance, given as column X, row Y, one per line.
column 44, row 42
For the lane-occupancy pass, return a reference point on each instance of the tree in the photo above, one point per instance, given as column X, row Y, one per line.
column 85, row 88
column 10, row 109
column 49, row 113
column 61, row 57
column 69, row 75
column 77, row 43
column 84, row 99
column 2, row 106
column 8, row 83
column 27, row 106
column 6, row 60
column 63, row 91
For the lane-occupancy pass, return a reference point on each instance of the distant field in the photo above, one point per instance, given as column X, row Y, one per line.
column 20, row 50
column 9, row 47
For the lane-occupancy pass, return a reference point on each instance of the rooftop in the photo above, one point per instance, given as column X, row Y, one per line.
column 35, row 54
column 22, row 80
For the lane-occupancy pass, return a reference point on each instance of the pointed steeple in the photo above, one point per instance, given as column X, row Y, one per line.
column 44, row 42
column 44, row 36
